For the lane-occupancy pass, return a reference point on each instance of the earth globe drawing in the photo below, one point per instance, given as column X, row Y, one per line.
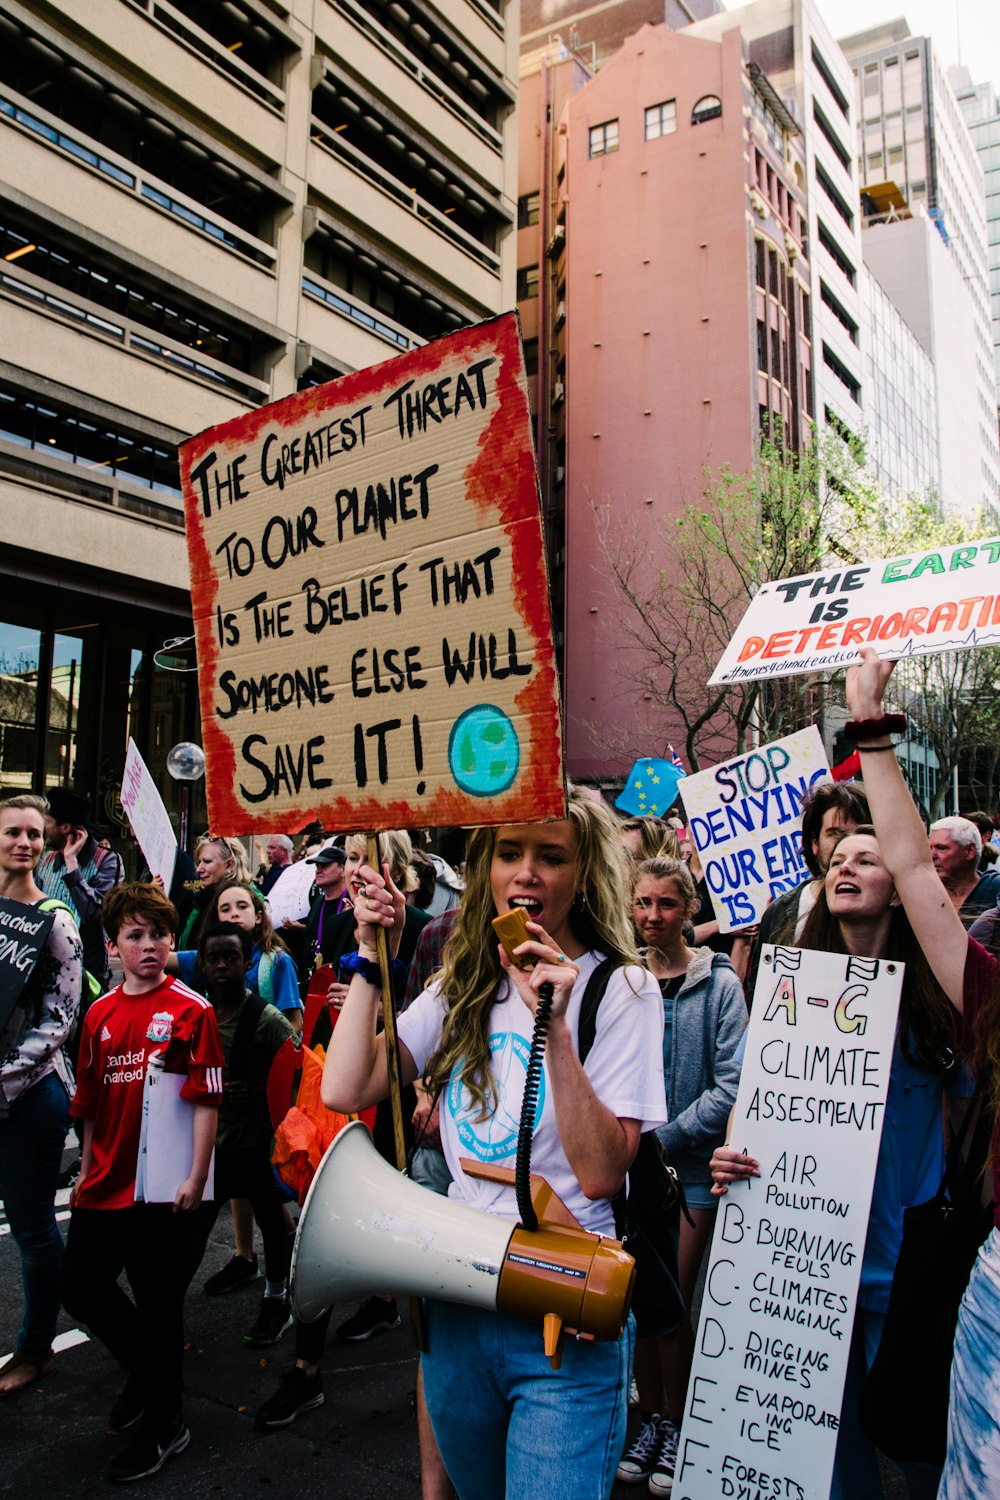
column 483, row 751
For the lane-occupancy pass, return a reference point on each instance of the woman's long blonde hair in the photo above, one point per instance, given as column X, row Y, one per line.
column 470, row 978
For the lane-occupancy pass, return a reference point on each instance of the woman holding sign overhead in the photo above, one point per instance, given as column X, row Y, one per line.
column 35, row 1083
column 970, row 977
column 858, row 911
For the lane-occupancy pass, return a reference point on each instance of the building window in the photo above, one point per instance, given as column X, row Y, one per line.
column 661, row 119
column 527, row 283
column 761, row 345
column 708, row 108
column 531, row 356
column 527, row 210
column 842, row 373
column 760, row 251
column 604, row 138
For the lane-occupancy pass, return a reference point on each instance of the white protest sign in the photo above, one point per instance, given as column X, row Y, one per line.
column 288, row 897
column 147, row 816
column 763, row 1407
column 946, row 600
column 744, row 818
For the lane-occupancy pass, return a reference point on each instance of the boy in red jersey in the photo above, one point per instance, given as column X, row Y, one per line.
column 148, row 1021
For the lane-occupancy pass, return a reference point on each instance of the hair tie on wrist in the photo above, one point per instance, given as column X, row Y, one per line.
column 870, row 729
column 874, row 749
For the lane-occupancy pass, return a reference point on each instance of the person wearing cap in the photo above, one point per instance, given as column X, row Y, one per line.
column 332, row 898
column 78, row 871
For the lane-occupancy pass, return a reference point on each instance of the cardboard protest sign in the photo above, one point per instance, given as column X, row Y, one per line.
column 744, row 818
column 147, row 817
column 763, row 1406
column 24, row 931
column 903, row 606
column 370, row 599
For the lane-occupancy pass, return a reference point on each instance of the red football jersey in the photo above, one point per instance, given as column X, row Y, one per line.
column 120, row 1034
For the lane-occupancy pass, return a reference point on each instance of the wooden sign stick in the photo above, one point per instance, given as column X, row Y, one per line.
column 392, row 1065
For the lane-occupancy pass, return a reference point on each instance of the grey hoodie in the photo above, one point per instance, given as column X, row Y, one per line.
column 710, row 1015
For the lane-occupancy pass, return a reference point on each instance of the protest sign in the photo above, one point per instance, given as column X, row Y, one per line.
column 370, row 599
column 945, row 600
column 763, row 1406
column 24, row 931
column 147, row 816
column 744, row 818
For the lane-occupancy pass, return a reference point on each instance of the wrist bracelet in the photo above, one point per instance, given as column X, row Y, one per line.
column 870, row 729
column 874, row 749
column 370, row 972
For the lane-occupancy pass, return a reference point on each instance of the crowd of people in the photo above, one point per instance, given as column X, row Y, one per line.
column 200, row 996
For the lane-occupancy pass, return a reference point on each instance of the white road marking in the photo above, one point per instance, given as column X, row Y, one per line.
column 61, row 1342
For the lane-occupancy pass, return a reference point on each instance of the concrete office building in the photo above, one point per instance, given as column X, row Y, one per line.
column 680, row 325
column 789, row 41
column 911, row 137
column 901, row 417
column 981, row 112
column 203, row 207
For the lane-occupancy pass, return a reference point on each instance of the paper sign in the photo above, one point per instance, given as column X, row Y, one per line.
column 24, row 931
column 166, row 1140
column 288, row 897
column 763, row 1407
column 371, row 601
column 147, row 816
column 744, row 817
column 905, row 606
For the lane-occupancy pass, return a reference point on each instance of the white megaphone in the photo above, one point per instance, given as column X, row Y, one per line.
column 366, row 1228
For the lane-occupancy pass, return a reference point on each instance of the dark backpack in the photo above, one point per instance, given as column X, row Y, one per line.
column 647, row 1212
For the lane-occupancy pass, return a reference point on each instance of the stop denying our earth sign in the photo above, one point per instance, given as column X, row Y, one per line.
column 370, row 599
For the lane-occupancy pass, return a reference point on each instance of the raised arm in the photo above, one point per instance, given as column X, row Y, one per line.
column 902, row 839
column 356, row 1071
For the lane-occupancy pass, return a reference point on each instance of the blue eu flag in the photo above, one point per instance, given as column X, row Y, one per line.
column 651, row 789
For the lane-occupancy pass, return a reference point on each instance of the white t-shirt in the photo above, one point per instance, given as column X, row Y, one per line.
column 625, row 1068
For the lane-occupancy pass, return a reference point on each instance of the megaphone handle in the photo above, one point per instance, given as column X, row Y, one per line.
column 392, row 1068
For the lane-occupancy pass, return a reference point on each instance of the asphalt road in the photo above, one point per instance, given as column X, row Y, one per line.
column 360, row 1445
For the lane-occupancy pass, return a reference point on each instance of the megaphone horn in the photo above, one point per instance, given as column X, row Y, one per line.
column 366, row 1228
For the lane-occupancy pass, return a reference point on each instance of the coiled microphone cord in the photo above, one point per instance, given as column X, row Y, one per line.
column 529, row 1106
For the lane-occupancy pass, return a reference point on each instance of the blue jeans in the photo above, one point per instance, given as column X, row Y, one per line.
column 31, row 1145
column 507, row 1424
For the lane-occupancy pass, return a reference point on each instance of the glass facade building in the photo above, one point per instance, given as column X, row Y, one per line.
column 900, row 399
column 981, row 108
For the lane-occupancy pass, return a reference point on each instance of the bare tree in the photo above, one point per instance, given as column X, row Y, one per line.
column 683, row 592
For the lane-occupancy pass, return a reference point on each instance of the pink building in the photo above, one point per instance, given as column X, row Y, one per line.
column 680, row 276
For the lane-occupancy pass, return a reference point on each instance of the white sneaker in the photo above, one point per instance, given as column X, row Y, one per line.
column 661, row 1479
column 638, row 1461
column 633, row 1394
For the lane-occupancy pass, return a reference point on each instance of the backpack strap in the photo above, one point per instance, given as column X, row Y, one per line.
column 597, row 985
column 241, row 1057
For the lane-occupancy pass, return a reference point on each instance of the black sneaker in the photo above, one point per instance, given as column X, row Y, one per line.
column 297, row 1392
column 127, row 1409
column 274, row 1317
column 373, row 1316
column 639, row 1460
column 148, row 1452
column 236, row 1273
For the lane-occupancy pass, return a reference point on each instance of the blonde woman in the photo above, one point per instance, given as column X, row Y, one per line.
column 505, row 1422
column 216, row 860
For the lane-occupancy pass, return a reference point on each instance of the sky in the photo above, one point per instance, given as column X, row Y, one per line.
column 966, row 31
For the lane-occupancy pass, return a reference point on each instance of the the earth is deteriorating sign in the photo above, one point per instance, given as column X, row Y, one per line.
column 370, row 599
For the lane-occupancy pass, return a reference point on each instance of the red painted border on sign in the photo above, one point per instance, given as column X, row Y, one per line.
column 539, row 795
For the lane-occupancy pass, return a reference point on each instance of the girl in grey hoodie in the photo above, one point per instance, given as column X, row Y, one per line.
column 704, row 1018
